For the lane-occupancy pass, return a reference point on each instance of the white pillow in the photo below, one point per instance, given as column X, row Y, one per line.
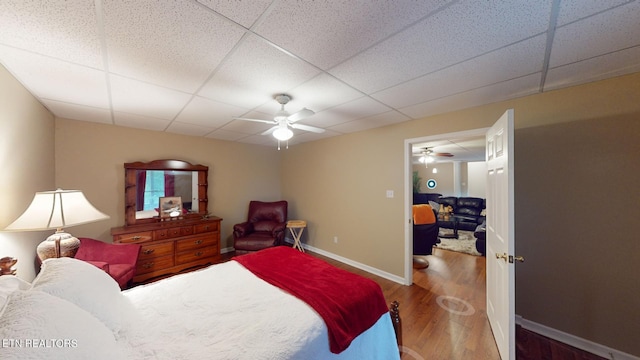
column 84, row 285
column 36, row 325
column 9, row 284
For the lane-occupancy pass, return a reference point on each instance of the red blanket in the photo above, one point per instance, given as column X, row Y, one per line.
column 348, row 303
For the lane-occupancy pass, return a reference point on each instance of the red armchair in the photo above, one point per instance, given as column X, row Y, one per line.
column 117, row 260
column 265, row 227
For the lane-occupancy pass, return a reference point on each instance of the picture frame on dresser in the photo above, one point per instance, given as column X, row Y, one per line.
column 170, row 206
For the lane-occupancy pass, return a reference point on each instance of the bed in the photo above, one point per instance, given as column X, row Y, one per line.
column 73, row 310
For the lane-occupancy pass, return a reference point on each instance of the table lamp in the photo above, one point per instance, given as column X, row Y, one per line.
column 57, row 210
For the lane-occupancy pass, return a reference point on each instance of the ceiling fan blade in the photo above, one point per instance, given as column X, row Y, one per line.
column 256, row 120
column 444, row 154
column 307, row 128
column 302, row 114
column 270, row 130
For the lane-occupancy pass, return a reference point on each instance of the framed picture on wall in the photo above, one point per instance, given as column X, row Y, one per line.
column 170, row 206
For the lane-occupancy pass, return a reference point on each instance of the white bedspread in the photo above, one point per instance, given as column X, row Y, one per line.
column 225, row 312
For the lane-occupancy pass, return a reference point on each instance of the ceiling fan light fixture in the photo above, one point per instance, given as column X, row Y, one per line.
column 283, row 133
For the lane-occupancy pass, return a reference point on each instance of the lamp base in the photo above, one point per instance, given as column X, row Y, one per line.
column 58, row 245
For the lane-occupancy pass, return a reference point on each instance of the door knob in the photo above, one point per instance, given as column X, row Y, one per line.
column 509, row 258
column 502, row 256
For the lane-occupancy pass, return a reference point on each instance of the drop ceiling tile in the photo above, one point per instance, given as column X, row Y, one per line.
column 572, row 10
column 266, row 140
column 58, row 80
column 176, row 45
column 209, row 113
column 306, row 136
column 244, row 13
column 322, row 92
column 246, row 127
column 135, row 97
column 458, row 33
column 607, row 32
column 188, row 129
column 339, row 29
column 523, row 58
column 255, row 73
column 511, row 89
column 61, row 29
column 140, row 122
column 78, row 112
column 388, row 118
column 353, row 110
column 225, row 135
column 594, row 69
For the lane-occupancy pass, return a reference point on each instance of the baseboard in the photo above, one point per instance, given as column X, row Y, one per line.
column 577, row 342
column 355, row 264
column 227, row 250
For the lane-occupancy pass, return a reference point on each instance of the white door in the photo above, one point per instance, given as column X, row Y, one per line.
column 500, row 235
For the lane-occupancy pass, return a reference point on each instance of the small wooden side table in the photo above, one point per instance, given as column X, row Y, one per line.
column 297, row 227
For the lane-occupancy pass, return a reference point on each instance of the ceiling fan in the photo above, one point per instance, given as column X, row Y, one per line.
column 427, row 155
column 283, row 121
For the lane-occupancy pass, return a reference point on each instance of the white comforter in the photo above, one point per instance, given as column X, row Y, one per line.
column 225, row 312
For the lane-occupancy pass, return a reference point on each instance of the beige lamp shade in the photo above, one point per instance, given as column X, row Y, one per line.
column 57, row 210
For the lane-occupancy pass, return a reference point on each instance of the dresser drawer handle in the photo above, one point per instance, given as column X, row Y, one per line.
column 149, row 251
column 198, row 242
column 148, row 265
column 137, row 237
column 199, row 253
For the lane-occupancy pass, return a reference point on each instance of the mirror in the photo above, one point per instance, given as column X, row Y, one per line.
column 146, row 183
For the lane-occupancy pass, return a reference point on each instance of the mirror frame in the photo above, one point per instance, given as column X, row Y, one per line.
column 130, row 172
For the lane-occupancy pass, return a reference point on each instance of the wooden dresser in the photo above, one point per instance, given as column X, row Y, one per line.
column 169, row 247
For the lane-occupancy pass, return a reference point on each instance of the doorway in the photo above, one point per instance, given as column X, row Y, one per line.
column 409, row 144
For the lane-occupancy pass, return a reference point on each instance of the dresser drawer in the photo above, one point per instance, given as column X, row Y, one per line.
column 196, row 243
column 207, row 227
column 134, row 237
column 154, row 264
column 173, row 232
column 196, row 254
column 151, row 250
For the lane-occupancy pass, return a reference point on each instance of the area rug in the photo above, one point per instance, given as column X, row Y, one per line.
column 465, row 243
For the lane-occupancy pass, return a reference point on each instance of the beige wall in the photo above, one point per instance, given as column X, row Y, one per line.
column 477, row 179
column 339, row 187
column 27, row 163
column 577, row 211
column 90, row 157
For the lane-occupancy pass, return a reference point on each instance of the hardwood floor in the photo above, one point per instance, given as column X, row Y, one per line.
column 430, row 331
column 462, row 332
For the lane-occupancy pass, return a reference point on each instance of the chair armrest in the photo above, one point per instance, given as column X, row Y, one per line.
column 99, row 264
column 279, row 232
column 242, row 229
